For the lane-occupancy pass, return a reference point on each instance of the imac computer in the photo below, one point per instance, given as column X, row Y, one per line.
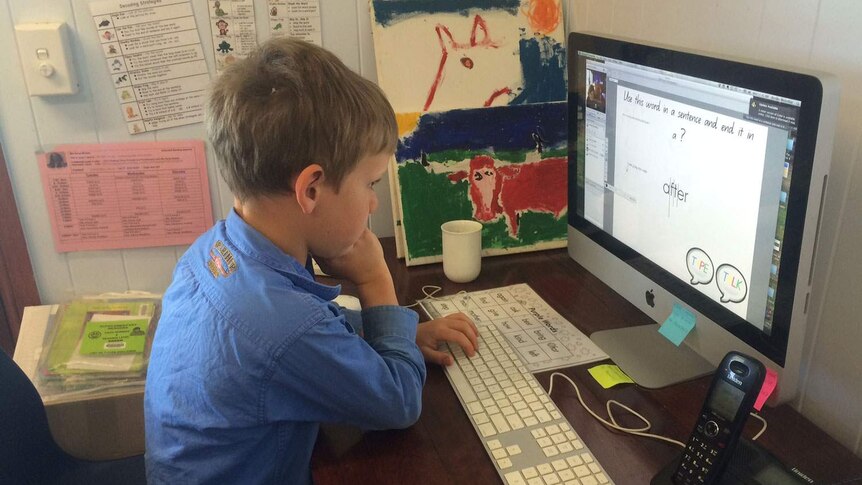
column 695, row 189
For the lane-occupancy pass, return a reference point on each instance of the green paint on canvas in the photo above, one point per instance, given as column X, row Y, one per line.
column 434, row 199
column 450, row 156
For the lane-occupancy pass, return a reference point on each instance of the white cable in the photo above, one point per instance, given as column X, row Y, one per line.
column 429, row 295
column 763, row 429
column 635, row 431
column 429, row 291
column 613, row 422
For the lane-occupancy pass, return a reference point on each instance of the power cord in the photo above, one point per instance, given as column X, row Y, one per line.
column 613, row 424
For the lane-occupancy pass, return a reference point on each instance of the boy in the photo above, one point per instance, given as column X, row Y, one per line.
column 250, row 354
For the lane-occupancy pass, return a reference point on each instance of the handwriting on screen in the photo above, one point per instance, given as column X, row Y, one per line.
column 717, row 122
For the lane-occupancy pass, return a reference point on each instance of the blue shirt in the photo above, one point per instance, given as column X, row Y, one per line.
column 250, row 355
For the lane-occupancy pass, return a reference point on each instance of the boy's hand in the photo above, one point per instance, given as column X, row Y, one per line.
column 456, row 328
column 364, row 265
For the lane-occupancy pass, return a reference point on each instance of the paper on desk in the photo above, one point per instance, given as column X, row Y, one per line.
column 105, row 362
column 678, row 324
column 609, row 375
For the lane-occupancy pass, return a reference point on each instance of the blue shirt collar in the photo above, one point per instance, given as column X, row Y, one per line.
column 255, row 245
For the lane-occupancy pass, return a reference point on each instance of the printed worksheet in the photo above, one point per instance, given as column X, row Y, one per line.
column 126, row 195
column 295, row 18
column 155, row 59
column 234, row 34
column 541, row 336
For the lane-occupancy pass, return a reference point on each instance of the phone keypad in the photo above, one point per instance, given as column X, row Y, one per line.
column 701, row 453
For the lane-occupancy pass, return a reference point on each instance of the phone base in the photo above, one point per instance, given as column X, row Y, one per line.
column 750, row 464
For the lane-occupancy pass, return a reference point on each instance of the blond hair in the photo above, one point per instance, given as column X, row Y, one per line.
column 290, row 104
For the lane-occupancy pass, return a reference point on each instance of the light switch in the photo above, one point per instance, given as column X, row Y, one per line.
column 46, row 58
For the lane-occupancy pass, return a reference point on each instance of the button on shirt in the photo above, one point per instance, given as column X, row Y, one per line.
column 250, row 355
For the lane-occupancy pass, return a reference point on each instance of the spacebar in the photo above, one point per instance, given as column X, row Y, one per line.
column 459, row 380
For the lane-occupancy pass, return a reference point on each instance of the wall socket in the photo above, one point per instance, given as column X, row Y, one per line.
column 46, row 58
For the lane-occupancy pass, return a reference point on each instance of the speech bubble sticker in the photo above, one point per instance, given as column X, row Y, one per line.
column 699, row 266
column 731, row 284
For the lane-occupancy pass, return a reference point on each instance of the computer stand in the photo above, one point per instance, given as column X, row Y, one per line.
column 650, row 359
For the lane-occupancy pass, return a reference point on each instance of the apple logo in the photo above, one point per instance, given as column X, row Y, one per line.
column 650, row 298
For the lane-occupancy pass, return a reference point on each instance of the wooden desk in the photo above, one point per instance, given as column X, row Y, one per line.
column 442, row 448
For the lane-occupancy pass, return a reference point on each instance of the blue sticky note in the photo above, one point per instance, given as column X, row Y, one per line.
column 678, row 324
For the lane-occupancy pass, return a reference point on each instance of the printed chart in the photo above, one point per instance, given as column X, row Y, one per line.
column 544, row 339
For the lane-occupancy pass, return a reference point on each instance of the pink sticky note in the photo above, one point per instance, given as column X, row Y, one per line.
column 769, row 383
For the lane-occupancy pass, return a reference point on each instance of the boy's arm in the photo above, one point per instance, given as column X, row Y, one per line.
column 365, row 266
column 330, row 374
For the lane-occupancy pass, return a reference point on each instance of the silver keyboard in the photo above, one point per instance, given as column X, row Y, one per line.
column 526, row 436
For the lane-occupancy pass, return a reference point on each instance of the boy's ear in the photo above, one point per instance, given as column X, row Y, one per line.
column 307, row 187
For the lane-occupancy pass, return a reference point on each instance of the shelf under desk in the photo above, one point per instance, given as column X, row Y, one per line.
column 443, row 448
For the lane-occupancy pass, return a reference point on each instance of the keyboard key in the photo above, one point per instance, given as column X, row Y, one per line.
column 494, row 444
column 559, row 465
column 513, row 450
column 566, row 475
column 551, row 451
column 544, row 468
column 530, row 472
column 487, row 430
column 515, row 478
column 500, row 423
column 504, row 463
column 551, row 479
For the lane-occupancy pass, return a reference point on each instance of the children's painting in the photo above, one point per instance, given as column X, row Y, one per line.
column 436, row 55
column 502, row 166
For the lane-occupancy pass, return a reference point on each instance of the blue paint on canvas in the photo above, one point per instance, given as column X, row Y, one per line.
column 504, row 128
column 388, row 11
column 543, row 64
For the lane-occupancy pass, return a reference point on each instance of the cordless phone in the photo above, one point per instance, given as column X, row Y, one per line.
column 731, row 397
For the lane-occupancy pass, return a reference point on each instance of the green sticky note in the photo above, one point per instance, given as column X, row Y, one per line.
column 609, row 375
column 115, row 336
column 678, row 324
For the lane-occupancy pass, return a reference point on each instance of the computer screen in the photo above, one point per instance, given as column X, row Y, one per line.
column 704, row 177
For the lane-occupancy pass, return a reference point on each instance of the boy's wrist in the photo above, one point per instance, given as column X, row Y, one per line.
column 377, row 291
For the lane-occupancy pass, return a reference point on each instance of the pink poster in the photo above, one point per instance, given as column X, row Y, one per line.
column 126, row 195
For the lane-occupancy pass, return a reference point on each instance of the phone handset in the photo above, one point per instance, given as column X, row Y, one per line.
column 731, row 397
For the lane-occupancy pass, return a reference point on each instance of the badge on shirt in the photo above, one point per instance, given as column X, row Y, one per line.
column 221, row 262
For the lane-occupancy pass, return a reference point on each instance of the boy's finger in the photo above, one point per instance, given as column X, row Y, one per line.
column 460, row 338
column 437, row 357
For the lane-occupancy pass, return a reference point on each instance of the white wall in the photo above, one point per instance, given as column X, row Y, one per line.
column 819, row 34
column 811, row 34
column 93, row 115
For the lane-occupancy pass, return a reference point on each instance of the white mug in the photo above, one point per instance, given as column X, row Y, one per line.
column 462, row 250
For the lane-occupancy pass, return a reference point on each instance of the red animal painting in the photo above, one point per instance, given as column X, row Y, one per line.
column 512, row 189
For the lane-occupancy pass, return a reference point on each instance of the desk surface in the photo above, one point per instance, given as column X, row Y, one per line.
column 443, row 448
